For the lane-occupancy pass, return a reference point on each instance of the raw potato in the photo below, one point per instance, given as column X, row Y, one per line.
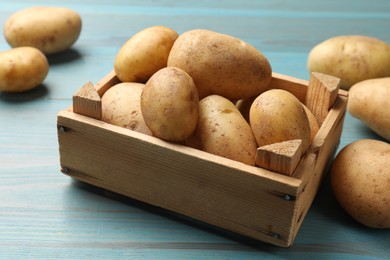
column 276, row 116
column 223, row 131
column 170, row 104
column 121, row 107
column 244, row 106
column 144, row 53
column 314, row 126
column 49, row 29
column 360, row 179
column 22, row 69
column 351, row 58
column 369, row 101
column 221, row 64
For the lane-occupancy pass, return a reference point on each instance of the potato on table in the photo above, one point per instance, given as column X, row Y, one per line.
column 369, row 101
column 22, row 69
column 49, row 29
column 352, row 58
column 360, row 179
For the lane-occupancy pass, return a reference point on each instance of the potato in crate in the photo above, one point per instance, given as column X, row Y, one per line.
column 254, row 201
column 229, row 142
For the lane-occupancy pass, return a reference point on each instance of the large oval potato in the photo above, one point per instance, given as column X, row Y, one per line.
column 170, row 104
column 352, row 58
column 369, row 101
column 360, row 179
column 121, row 107
column 223, row 131
column 22, row 69
column 276, row 116
column 49, row 29
column 144, row 53
column 221, row 64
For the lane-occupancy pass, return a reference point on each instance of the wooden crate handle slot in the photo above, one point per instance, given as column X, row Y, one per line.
column 87, row 102
column 280, row 157
column 321, row 94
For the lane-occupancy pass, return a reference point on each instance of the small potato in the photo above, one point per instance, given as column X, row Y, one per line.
column 276, row 116
column 49, row 29
column 351, row 58
column 121, row 107
column 360, row 179
column 223, row 131
column 22, row 69
column 221, row 64
column 144, row 53
column 369, row 101
column 170, row 104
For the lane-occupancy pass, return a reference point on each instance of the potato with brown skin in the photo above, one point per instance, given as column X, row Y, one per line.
column 221, row 64
column 360, row 179
column 369, row 101
column 144, row 53
column 244, row 106
column 223, row 131
column 314, row 126
column 170, row 104
column 49, row 29
column 352, row 58
column 22, row 69
column 121, row 107
column 276, row 116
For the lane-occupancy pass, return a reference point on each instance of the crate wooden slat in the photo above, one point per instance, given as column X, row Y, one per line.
column 87, row 102
column 248, row 200
column 280, row 157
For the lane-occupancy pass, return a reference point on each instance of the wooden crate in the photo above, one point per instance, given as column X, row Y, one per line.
column 248, row 200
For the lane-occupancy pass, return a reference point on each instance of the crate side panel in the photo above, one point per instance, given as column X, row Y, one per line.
column 321, row 155
column 227, row 197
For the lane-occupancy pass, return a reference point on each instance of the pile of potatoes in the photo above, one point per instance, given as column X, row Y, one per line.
column 211, row 91
column 203, row 89
column 33, row 33
column 360, row 176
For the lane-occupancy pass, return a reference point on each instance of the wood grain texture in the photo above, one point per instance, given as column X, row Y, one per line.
column 46, row 215
column 181, row 179
column 321, row 94
column 87, row 102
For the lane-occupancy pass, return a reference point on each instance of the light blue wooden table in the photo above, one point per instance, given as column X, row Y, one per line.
column 46, row 215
